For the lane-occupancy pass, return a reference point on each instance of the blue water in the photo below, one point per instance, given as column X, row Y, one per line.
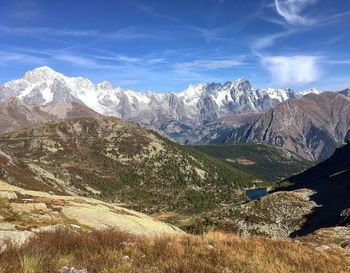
column 254, row 194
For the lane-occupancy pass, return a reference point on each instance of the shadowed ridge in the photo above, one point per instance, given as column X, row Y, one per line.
column 330, row 182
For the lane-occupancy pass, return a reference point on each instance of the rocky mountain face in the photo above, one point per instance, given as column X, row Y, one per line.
column 109, row 159
column 312, row 126
column 170, row 113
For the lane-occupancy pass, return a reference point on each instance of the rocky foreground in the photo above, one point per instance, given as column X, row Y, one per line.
column 24, row 213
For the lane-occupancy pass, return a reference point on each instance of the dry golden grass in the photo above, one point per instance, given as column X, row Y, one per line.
column 116, row 252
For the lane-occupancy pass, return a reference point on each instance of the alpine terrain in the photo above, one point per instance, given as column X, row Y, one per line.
column 106, row 158
column 170, row 113
column 190, row 136
column 305, row 123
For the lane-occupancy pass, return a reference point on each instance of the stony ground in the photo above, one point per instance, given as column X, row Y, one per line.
column 278, row 214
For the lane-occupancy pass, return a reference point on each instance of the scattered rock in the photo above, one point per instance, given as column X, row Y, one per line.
column 7, row 226
column 210, row 246
column 126, row 257
column 322, row 248
column 68, row 269
column 8, row 195
column 29, row 207
column 345, row 244
column 131, row 244
column 15, row 237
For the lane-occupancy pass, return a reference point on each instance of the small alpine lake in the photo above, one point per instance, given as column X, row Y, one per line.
column 253, row 194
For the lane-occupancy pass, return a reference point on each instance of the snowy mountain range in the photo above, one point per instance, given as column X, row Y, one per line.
column 168, row 113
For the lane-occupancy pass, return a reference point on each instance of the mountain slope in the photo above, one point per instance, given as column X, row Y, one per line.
column 267, row 162
column 16, row 114
column 112, row 160
column 170, row 113
column 312, row 126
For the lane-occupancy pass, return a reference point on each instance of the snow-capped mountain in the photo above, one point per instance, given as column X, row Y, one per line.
column 167, row 112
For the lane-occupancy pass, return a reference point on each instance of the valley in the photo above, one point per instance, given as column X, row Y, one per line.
column 267, row 162
column 245, row 169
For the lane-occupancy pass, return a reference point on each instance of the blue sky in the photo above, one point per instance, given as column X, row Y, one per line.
column 164, row 45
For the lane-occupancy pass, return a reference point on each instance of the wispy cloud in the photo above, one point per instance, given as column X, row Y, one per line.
column 74, row 59
column 297, row 69
column 127, row 59
column 147, row 9
column 22, row 10
column 212, row 34
column 294, row 68
column 13, row 58
column 101, row 60
column 28, row 31
column 297, row 13
column 269, row 40
column 127, row 33
column 341, row 62
column 291, row 11
column 200, row 65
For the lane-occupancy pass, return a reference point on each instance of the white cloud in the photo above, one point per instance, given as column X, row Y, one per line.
column 291, row 11
column 298, row 69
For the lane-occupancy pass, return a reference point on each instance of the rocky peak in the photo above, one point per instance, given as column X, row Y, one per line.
column 346, row 92
column 242, row 85
column 193, row 90
column 105, row 85
column 13, row 100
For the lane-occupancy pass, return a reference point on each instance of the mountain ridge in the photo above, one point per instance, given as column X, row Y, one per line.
column 312, row 126
column 167, row 112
